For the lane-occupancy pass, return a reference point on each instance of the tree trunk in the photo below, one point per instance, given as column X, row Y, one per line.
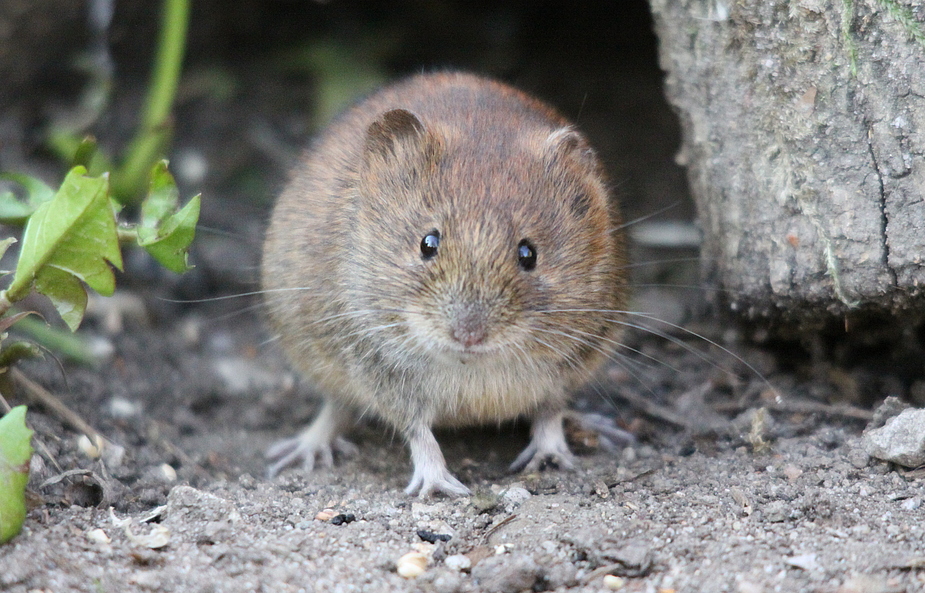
column 804, row 138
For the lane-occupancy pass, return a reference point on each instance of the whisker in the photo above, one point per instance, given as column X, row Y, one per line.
column 236, row 313
column 223, row 233
column 668, row 337
column 622, row 361
column 692, row 350
column 591, row 345
column 230, row 296
column 616, row 343
column 269, row 341
column 372, row 329
column 357, row 313
column 655, row 262
column 646, row 216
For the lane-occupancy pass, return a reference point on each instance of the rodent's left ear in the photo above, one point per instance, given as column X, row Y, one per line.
column 569, row 143
column 391, row 128
column 396, row 135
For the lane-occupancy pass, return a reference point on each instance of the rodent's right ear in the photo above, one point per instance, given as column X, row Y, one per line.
column 568, row 142
column 394, row 132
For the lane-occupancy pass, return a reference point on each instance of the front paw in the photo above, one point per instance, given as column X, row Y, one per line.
column 430, row 472
column 533, row 459
column 547, row 444
column 428, row 481
column 306, row 450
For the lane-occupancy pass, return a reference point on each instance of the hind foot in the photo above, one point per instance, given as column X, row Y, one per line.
column 317, row 443
column 547, row 444
column 610, row 437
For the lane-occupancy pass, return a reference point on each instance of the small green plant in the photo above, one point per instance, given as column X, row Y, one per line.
column 15, row 452
column 73, row 236
column 72, row 240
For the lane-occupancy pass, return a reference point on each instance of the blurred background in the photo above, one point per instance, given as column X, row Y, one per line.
column 261, row 76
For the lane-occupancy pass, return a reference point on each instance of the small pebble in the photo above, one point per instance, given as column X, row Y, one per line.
column 100, row 348
column 113, row 455
column 190, row 331
column 806, row 562
column 167, row 472
column 507, row 574
column 411, row 565
column 89, row 448
column 901, row 440
column 343, row 518
column 98, row 536
column 858, row 458
column 911, row 504
column 191, row 165
column 792, row 472
column 113, row 311
column 515, row 496
column 432, row 538
column 458, row 562
column 502, row 549
column 614, row 583
column 776, row 511
column 325, row 515
column 241, row 376
column 749, row 587
column 121, row 408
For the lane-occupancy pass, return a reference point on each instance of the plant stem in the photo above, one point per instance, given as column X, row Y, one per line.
column 166, row 76
column 152, row 134
column 5, row 302
column 61, row 341
column 127, row 235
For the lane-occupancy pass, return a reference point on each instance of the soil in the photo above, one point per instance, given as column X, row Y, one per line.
column 747, row 474
column 715, row 495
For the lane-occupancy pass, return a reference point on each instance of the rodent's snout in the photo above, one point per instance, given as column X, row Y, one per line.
column 468, row 323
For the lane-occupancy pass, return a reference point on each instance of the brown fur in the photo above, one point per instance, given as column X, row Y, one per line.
column 375, row 326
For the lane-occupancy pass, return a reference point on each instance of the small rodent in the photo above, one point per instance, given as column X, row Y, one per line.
column 446, row 253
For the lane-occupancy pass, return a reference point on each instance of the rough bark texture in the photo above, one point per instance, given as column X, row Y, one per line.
column 809, row 178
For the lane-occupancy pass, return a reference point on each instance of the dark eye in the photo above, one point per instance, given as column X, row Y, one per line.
column 526, row 255
column 429, row 244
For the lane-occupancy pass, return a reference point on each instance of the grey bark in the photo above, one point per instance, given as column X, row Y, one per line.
column 807, row 165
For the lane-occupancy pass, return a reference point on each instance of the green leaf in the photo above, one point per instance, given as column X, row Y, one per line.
column 164, row 232
column 59, row 341
column 15, row 452
column 163, row 198
column 65, row 292
column 85, row 152
column 8, row 320
column 16, row 351
column 73, row 149
column 4, row 245
column 16, row 211
column 70, row 238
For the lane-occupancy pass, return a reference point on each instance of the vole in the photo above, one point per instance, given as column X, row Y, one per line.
column 446, row 253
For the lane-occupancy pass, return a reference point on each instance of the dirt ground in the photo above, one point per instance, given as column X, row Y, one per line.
column 714, row 496
column 747, row 475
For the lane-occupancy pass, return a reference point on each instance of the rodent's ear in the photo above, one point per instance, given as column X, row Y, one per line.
column 398, row 148
column 390, row 130
column 568, row 142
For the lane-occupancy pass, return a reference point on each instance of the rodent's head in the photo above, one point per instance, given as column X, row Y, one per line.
column 497, row 242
